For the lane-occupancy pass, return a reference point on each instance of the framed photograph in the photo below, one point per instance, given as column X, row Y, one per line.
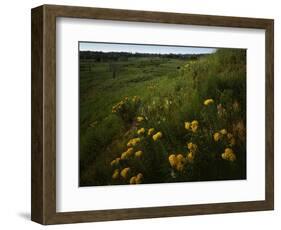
column 141, row 114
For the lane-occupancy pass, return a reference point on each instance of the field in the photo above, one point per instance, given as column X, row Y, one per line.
column 160, row 118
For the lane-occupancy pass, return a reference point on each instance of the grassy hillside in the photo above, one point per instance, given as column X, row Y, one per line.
column 151, row 117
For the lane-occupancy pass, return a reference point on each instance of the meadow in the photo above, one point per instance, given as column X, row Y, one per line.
column 162, row 118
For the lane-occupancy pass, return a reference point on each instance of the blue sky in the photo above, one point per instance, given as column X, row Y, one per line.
column 133, row 48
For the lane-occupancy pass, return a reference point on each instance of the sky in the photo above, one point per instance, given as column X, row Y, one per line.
column 135, row 48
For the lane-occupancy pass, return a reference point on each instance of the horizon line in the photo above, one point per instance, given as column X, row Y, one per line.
column 95, row 51
column 143, row 48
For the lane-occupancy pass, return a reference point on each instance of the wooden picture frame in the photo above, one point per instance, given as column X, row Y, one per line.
column 43, row 208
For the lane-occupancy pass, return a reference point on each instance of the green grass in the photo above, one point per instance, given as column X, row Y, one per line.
column 171, row 92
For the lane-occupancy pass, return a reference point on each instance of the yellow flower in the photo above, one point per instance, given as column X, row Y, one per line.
column 157, row 136
column 118, row 107
column 130, row 151
column 232, row 157
column 139, row 178
column 115, row 174
column 127, row 154
column 115, row 161
column 124, row 172
column 194, row 126
column 180, row 166
column 150, row 131
column 190, row 156
column 180, row 158
column 133, row 142
column 228, row 155
column 112, row 162
column 187, row 125
column 133, row 180
column 180, row 162
column 192, row 147
column 223, row 156
column 194, row 122
column 141, row 131
column 228, row 151
column 217, row 136
column 138, row 153
column 173, row 160
column 208, row 102
column 177, row 161
column 124, row 156
column 223, row 131
column 140, row 118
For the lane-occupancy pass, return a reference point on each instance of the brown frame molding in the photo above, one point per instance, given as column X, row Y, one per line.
column 43, row 160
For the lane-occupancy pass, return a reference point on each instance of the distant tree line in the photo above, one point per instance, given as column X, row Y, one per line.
column 117, row 56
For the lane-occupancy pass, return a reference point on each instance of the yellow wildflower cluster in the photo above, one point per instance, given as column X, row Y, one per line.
column 141, row 131
column 177, row 161
column 115, row 174
column 133, row 142
column 208, row 102
column 125, row 103
column 124, row 172
column 224, row 134
column 150, row 131
column 192, row 147
column 228, row 155
column 217, row 136
column 190, row 156
column 157, row 136
column 136, row 179
column 193, row 126
column 127, row 154
column 138, row 154
column 187, row 125
column 115, row 162
column 192, row 151
column 119, row 106
column 140, row 118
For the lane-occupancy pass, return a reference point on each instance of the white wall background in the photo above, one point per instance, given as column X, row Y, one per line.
column 15, row 113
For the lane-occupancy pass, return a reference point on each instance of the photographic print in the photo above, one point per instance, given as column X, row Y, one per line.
column 161, row 114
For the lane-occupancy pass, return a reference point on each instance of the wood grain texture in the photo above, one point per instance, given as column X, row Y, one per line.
column 269, row 116
column 37, row 115
column 44, row 114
